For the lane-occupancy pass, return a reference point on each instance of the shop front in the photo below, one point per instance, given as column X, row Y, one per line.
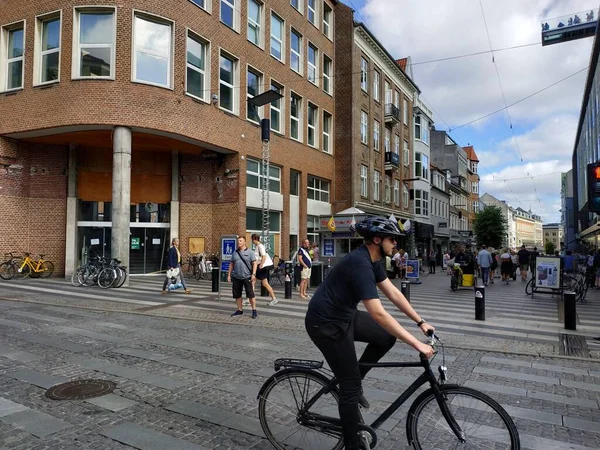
column 336, row 244
column 423, row 236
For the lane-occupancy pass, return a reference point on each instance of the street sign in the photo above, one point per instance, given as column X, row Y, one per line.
column 228, row 246
column 135, row 243
column 412, row 269
column 328, row 247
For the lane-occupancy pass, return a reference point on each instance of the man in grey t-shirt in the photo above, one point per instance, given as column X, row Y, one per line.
column 242, row 271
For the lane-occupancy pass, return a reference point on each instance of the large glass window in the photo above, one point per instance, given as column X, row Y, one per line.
column 388, row 140
column 327, row 119
column 254, row 220
column 152, row 55
column 364, row 181
column 421, row 166
column 313, row 55
column 364, row 127
column 312, row 122
column 327, row 68
column 327, row 16
column 294, row 182
column 397, row 144
column 388, row 187
column 228, row 13
column 406, row 154
column 405, row 103
column 312, row 11
column 276, row 109
column 14, row 57
column 376, row 85
column 296, row 4
column 318, row 189
column 95, row 43
column 276, row 37
column 405, row 196
column 49, row 55
column 418, row 127
column 364, row 69
column 253, row 84
column 296, row 51
column 397, row 192
column 295, row 116
column 254, row 176
column 196, row 76
column 388, row 92
column 255, row 22
column 376, row 185
column 421, row 202
column 227, row 67
column 200, row 3
column 376, row 135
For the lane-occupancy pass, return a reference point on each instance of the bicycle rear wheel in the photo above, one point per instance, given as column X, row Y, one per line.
column 106, row 278
column 484, row 422
column 529, row 287
column 46, row 269
column 279, row 404
column 21, row 273
column 7, row 270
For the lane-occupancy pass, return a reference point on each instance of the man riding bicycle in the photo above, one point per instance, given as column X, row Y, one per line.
column 334, row 323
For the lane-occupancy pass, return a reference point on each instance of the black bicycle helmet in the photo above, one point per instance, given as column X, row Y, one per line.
column 378, row 226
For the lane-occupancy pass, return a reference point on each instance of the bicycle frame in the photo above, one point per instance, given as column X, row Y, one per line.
column 30, row 262
column 332, row 423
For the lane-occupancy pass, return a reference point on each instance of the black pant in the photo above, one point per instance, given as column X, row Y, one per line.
column 336, row 342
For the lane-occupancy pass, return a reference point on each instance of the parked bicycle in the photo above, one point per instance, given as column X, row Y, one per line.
column 31, row 268
column 298, row 408
column 102, row 271
column 10, row 266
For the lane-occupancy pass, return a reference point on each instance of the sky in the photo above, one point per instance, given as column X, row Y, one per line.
column 521, row 164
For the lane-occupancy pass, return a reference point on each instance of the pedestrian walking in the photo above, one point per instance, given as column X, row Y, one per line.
column 316, row 252
column 484, row 261
column 242, row 272
column 305, row 261
column 265, row 264
column 174, row 262
column 524, row 258
column 506, row 266
column 432, row 256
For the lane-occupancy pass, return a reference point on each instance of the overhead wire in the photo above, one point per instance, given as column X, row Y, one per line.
column 449, row 58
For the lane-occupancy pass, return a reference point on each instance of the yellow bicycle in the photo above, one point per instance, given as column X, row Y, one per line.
column 32, row 268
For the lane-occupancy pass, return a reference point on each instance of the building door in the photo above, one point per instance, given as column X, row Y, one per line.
column 157, row 246
column 137, row 247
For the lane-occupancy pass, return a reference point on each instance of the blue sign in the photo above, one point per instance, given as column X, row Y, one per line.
column 412, row 269
column 225, row 266
column 228, row 246
column 328, row 247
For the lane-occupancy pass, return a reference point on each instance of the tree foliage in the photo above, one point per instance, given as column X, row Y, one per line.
column 490, row 227
column 549, row 248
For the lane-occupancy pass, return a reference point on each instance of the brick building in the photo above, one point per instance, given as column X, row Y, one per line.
column 373, row 133
column 126, row 123
column 472, row 183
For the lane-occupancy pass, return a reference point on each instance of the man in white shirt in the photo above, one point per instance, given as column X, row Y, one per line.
column 265, row 264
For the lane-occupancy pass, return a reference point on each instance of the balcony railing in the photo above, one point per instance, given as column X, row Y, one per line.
column 392, row 161
column 392, row 113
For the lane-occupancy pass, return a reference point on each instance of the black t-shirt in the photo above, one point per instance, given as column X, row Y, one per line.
column 352, row 280
column 523, row 256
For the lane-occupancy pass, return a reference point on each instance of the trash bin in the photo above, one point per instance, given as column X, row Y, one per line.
column 316, row 274
column 467, row 279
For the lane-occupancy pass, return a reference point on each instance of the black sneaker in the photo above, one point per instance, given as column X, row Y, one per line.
column 237, row 313
column 362, row 401
column 254, row 314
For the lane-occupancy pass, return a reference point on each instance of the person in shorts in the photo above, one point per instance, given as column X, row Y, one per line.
column 306, row 262
column 242, row 272
column 265, row 264
column 524, row 257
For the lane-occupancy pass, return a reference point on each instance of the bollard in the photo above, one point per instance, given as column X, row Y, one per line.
column 405, row 289
column 288, row 286
column 570, row 310
column 479, row 302
column 215, row 279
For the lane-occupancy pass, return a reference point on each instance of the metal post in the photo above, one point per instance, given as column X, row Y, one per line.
column 215, row 278
column 570, row 302
column 479, row 302
column 266, row 207
column 405, row 289
column 288, row 267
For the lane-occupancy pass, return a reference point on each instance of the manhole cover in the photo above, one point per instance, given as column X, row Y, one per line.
column 80, row 389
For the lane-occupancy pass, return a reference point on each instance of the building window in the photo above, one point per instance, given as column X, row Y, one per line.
column 405, row 196
column 318, row 189
column 95, row 35
column 364, row 68
column 201, row 4
column 475, row 187
column 13, row 57
column 229, row 13
column 406, row 154
column 295, row 117
column 388, row 93
column 397, row 144
column 196, row 77
column 364, row 127
column 376, row 85
column 254, row 175
column 405, row 105
column 397, row 192
column 294, row 182
column 364, row 181
column 376, row 135
column 421, row 202
column 227, row 77
column 312, row 12
column 387, row 142
column 396, row 99
column 387, row 189
column 276, row 109
column 254, row 221
column 313, row 57
column 327, row 119
column 312, row 122
column 474, row 167
column 296, row 4
column 421, row 166
column 376, row 185
column 296, row 51
column 327, row 15
column 47, row 49
column 312, row 228
column 418, row 127
column 152, row 57
column 253, row 86
column 255, row 20
column 327, row 67
column 276, row 37
column 475, row 207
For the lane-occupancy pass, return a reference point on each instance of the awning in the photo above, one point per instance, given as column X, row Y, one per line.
column 349, row 211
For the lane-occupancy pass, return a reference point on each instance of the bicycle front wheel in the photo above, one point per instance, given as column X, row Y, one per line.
column 46, row 269
column 278, row 410
column 106, row 278
column 529, row 287
column 7, row 270
column 483, row 421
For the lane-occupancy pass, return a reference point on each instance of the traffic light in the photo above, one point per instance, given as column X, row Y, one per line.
column 593, row 184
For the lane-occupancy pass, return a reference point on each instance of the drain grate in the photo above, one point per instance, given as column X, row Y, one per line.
column 80, row 389
column 574, row 345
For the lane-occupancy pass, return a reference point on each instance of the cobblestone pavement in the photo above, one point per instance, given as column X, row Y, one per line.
column 187, row 374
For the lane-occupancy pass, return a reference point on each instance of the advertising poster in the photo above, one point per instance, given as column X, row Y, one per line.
column 547, row 272
column 412, row 269
column 328, row 247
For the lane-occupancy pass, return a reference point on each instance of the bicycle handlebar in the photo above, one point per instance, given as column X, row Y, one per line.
column 433, row 341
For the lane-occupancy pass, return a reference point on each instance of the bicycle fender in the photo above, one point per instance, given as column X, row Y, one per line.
column 291, row 370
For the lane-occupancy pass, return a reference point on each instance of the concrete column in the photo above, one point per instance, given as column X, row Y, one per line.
column 174, row 196
column 71, row 250
column 121, row 195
